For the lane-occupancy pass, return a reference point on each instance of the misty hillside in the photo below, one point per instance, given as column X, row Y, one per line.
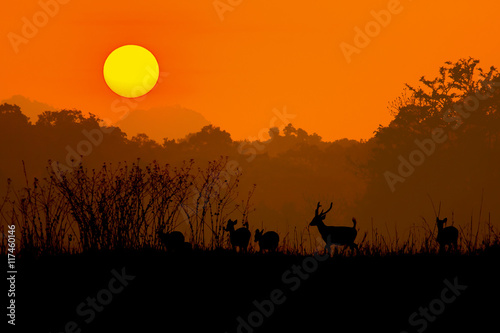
column 161, row 122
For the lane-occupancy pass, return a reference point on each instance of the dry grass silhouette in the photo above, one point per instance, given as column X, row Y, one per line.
column 130, row 207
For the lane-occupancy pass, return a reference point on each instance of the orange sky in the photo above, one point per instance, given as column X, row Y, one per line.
column 263, row 55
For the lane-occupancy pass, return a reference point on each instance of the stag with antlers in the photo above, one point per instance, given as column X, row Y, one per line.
column 334, row 235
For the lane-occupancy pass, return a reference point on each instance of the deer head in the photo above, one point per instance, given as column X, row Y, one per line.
column 440, row 223
column 230, row 225
column 319, row 217
column 258, row 234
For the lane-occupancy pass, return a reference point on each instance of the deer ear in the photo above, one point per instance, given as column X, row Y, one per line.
column 445, row 220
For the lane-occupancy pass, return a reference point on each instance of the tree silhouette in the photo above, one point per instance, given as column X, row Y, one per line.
column 292, row 168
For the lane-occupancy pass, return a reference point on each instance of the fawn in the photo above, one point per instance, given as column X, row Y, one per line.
column 446, row 236
column 267, row 241
column 239, row 237
column 173, row 241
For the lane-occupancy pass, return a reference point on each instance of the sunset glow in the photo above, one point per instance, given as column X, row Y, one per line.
column 248, row 166
column 261, row 56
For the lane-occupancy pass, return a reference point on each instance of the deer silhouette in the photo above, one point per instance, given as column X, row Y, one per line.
column 173, row 241
column 446, row 236
column 267, row 241
column 240, row 237
column 334, row 235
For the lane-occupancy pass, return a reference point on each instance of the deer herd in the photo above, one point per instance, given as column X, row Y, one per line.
column 332, row 235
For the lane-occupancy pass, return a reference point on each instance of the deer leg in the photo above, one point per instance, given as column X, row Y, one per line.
column 328, row 249
column 353, row 247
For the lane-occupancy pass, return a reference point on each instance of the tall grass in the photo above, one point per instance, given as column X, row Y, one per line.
column 474, row 238
column 121, row 207
column 124, row 206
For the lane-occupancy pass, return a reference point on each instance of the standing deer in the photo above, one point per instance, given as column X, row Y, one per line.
column 334, row 235
column 173, row 241
column 239, row 237
column 267, row 241
column 446, row 236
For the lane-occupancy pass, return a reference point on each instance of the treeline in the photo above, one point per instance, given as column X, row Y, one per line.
column 443, row 144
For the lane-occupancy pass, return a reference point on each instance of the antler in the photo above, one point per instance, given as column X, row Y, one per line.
column 322, row 211
column 329, row 209
column 317, row 209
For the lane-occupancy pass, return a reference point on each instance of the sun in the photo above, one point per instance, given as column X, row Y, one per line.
column 131, row 71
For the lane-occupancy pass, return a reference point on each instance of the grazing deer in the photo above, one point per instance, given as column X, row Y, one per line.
column 239, row 237
column 267, row 241
column 446, row 236
column 173, row 241
column 334, row 235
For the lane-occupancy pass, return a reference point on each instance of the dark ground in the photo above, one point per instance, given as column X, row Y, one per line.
column 208, row 291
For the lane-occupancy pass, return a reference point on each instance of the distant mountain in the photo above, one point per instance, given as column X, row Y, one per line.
column 30, row 108
column 172, row 122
